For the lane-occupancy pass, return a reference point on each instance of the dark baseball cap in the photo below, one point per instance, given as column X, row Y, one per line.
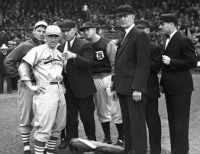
column 141, row 24
column 67, row 24
column 168, row 17
column 124, row 10
column 89, row 24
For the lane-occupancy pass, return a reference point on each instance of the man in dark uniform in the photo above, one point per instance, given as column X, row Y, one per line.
column 176, row 81
column 104, row 54
column 153, row 93
column 79, row 83
column 132, row 67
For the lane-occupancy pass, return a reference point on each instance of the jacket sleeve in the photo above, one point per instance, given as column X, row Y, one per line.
column 143, row 63
column 85, row 60
column 12, row 61
column 188, row 59
column 155, row 58
column 111, row 49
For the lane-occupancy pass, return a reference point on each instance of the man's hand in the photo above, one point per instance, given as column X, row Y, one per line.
column 69, row 55
column 36, row 88
column 166, row 60
column 114, row 95
column 137, row 96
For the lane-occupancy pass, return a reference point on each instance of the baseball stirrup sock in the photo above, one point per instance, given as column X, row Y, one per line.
column 51, row 145
column 25, row 139
column 120, row 131
column 39, row 147
column 106, row 129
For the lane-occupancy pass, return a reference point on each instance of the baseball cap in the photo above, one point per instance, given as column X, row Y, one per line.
column 53, row 30
column 124, row 10
column 40, row 23
column 89, row 24
column 168, row 17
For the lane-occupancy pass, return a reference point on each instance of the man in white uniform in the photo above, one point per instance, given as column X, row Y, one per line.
column 49, row 107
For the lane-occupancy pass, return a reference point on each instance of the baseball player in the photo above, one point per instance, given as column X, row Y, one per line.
column 24, row 94
column 107, row 108
column 49, row 104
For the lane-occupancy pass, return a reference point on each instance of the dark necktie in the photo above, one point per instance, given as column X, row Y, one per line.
column 69, row 45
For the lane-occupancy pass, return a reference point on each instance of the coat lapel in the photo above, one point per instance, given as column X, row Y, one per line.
column 172, row 41
column 125, row 42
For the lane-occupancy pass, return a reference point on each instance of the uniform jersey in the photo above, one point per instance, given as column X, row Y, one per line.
column 47, row 63
column 102, row 63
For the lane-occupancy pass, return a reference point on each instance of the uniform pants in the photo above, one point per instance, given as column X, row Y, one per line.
column 107, row 109
column 50, row 112
column 25, row 102
column 134, row 123
column 178, row 109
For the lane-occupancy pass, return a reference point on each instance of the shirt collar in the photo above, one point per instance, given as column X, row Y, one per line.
column 172, row 34
column 71, row 42
column 127, row 30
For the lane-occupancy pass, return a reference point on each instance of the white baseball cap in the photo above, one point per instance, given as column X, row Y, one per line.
column 41, row 23
column 53, row 30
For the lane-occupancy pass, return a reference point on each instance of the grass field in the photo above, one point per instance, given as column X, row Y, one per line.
column 10, row 141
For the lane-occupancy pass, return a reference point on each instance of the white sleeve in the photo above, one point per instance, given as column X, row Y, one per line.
column 31, row 57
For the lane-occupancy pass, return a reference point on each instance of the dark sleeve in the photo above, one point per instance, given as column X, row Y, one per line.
column 188, row 60
column 85, row 60
column 13, row 59
column 142, row 68
column 155, row 58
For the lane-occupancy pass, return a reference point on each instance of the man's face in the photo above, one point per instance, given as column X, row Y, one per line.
column 89, row 33
column 165, row 27
column 52, row 40
column 126, row 20
column 39, row 33
column 69, row 34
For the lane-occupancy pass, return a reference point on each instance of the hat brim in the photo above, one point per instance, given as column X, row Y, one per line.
column 86, row 27
column 123, row 13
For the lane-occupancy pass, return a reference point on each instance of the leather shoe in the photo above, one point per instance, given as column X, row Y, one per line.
column 63, row 144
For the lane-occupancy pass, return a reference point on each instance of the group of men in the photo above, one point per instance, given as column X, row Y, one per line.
column 60, row 81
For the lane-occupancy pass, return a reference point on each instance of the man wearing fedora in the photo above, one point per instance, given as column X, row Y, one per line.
column 132, row 67
column 104, row 54
column 153, row 92
column 178, row 59
column 79, row 83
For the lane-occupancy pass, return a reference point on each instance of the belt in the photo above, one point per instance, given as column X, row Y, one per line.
column 52, row 83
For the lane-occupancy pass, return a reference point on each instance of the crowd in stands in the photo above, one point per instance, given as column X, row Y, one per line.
column 18, row 16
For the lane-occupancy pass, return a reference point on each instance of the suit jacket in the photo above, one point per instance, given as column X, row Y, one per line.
column 153, row 90
column 132, row 63
column 176, row 77
column 78, row 78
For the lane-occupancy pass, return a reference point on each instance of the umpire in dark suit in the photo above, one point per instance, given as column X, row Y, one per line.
column 132, row 67
column 78, row 81
column 153, row 92
column 176, row 79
